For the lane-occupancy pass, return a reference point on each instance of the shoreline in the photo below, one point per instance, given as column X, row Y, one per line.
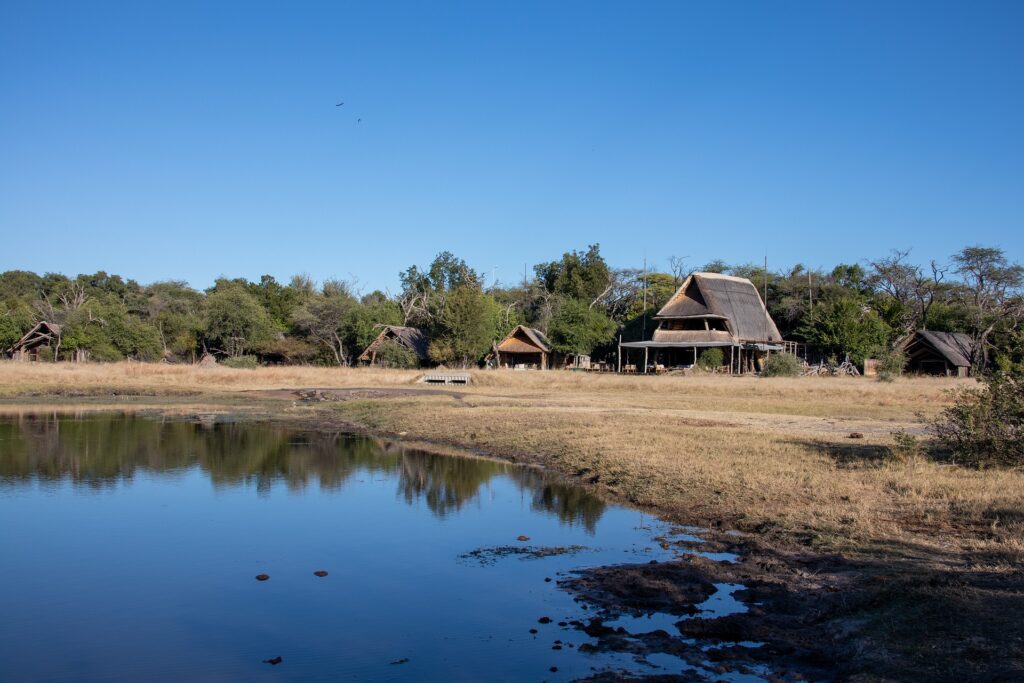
column 841, row 598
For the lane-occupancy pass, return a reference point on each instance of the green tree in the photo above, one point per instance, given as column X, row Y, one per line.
column 846, row 326
column 325, row 319
column 466, row 328
column 578, row 328
column 235, row 321
column 578, row 275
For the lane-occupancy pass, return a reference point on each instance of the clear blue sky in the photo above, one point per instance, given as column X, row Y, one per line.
column 192, row 140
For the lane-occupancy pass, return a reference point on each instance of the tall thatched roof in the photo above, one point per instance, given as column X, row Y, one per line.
column 409, row 337
column 735, row 300
column 956, row 347
column 41, row 333
column 524, row 339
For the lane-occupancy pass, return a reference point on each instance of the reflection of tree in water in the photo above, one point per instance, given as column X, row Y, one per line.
column 102, row 450
column 445, row 483
column 572, row 504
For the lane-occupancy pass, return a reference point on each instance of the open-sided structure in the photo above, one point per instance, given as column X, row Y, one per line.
column 938, row 353
column 409, row 337
column 523, row 348
column 711, row 310
column 30, row 347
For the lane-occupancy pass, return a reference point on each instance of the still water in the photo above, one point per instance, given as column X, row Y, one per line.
column 129, row 547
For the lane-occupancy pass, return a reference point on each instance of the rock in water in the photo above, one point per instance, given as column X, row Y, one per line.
column 320, row 572
column 275, row 661
column 262, row 577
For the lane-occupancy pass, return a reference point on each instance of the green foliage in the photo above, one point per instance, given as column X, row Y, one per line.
column 241, row 362
column 846, row 326
column 781, row 365
column 10, row 331
column 905, row 447
column 577, row 275
column 578, row 328
column 235, row 321
column 985, row 428
column 392, row 354
column 891, row 364
column 466, row 327
column 711, row 359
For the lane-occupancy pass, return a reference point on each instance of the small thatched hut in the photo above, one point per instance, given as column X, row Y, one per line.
column 523, row 348
column 409, row 337
column 711, row 310
column 31, row 346
column 938, row 353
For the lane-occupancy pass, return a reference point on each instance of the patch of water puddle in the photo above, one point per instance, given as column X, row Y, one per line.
column 721, row 603
column 674, row 664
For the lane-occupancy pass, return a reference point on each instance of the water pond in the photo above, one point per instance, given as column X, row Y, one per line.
column 130, row 548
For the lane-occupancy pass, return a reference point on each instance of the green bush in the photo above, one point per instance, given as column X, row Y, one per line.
column 391, row 354
column 241, row 362
column 891, row 364
column 985, row 428
column 781, row 365
column 711, row 359
column 905, row 447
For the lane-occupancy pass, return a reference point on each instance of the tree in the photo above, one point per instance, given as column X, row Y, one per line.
column 466, row 327
column 578, row 275
column 235, row 321
column 991, row 293
column 578, row 328
column 908, row 291
column 846, row 326
column 325, row 320
column 176, row 311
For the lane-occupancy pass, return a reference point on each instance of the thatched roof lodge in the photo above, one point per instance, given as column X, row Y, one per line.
column 712, row 310
column 938, row 353
column 409, row 337
column 523, row 348
column 30, row 347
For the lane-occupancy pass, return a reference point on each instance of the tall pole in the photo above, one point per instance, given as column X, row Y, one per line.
column 810, row 292
column 643, row 321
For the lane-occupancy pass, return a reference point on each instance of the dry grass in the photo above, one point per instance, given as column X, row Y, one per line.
column 772, row 457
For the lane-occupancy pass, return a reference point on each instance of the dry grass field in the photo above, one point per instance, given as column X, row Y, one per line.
column 770, row 460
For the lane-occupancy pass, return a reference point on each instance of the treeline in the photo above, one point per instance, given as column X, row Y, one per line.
column 854, row 311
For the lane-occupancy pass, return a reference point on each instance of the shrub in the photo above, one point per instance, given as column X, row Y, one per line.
column 241, row 362
column 711, row 359
column 781, row 365
column 891, row 364
column 985, row 428
column 905, row 447
column 391, row 354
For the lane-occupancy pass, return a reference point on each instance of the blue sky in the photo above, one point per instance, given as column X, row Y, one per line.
column 193, row 140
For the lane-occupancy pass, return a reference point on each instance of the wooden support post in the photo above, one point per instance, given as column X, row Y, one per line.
column 620, row 354
column 645, row 360
column 732, row 358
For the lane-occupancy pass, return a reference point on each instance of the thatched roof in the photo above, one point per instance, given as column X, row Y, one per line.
column 956, row 347
column 723, row 297
column 524, row 340
column 409, row 337
column 41, row 333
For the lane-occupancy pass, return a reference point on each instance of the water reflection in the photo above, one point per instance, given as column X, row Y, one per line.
column 103, row 451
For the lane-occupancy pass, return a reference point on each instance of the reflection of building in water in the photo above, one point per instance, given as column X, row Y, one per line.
column 104, row 450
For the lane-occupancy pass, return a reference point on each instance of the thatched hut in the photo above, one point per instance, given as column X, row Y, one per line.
column 409, row 337
column 711, row 310
column 523, row 348
column 938, row 353
column 33, row 345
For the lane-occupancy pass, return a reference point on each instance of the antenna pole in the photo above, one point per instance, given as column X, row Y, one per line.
column 643, row 333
